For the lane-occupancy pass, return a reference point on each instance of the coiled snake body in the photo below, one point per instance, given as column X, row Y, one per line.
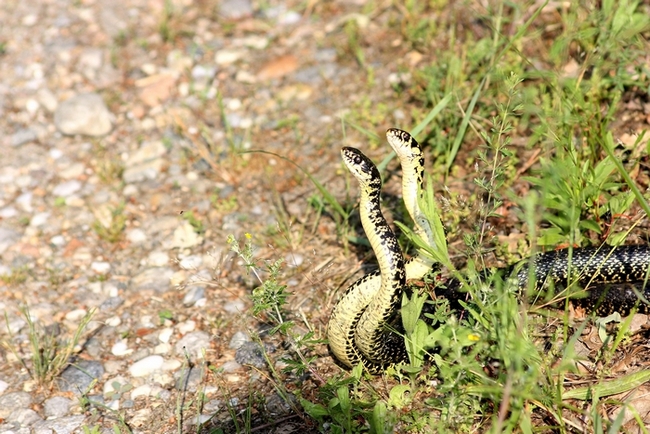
column 362, row 325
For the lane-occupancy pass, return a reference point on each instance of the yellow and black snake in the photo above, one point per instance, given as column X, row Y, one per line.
column 363, row 323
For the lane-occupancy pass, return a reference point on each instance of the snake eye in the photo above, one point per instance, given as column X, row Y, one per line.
column 357, row 159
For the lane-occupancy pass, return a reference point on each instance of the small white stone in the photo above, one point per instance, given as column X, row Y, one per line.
column 165, row 334
column 100, row 267
column 121, row 348
column 136, row 236
column 3, row 386
column 256, row 42
column 294, row 259
column 146, row 390
column 243, row 76
column 76, row 315
column 158, row 258
column 130, row 190
column 230, row 367
column 201, row 418
column 149, row 68
column 185, row 236
column 146, row 366
column 55, row 154
column 29, row 20
column 186, row 327
column 235, row 307
column 25, row 201
column 227, row 57
column 162, row 348
column 171, row 365
column 233, row 104
column 146, row 321
column 8, row 212
column 191, row 262
column 114, row 321
column 67, row 188
column 40, row 219
column 58, row 240
column 32, row 106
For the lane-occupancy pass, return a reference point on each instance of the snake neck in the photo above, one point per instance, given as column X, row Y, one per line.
column 375, row 326
column 411, row 158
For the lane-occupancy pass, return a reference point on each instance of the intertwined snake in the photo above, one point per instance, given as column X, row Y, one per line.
column 363, row 324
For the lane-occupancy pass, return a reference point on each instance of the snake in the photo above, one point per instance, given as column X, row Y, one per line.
column 364, row 326
column 342, row 330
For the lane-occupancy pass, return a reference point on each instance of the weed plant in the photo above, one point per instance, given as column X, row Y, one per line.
column 49, row 353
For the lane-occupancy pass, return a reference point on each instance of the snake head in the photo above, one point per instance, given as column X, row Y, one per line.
column 360, row 166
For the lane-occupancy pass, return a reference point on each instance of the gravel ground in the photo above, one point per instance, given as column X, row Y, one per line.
column 119, row 185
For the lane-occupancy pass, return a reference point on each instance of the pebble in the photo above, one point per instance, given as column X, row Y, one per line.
column 23, row 136
column 78, row 377
column 185, row 236
column 238, row 339
column 146, row 366
column 136, row 236
column 8, row 212
column 294, row 259
column 56, row 406
column 189, row 380
column 62, row 425
column 58, row 240
column 156, row 278
column 40, row 219
column 83, row 114
column 76, row 315
column 146, row 390
column 121, row 348
column 234, row 307
column 192, row 262
column 251, row 353
column 158, row 258
column 145, row 163
column 23, row 417
column 13, row 401
column 165, row 334
column 193, row 344
column 227, row 57
column 194, row 296
column 171, row 365
column 230, row 366
column 111, row 303
column 100, row 267
column 235, row 9
column 186, row 327
column 67, row 188
column 3, row 386
column 8, row 237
